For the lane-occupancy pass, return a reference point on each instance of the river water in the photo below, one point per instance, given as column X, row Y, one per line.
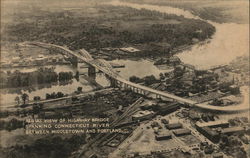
column 229, row 41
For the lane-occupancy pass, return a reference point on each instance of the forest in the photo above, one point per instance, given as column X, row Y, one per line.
column 107, row 26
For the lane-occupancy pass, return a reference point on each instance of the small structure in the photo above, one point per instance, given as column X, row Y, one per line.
column 182, row 132
column 164, row 121
column 174, row 126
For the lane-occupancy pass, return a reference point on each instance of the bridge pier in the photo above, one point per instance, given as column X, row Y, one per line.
column 91, row 72
column 113, row 82
column 157, row 96
column 74, row 61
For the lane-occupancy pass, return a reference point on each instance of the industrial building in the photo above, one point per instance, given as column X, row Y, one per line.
column 212, row 135
column 181, row 132
column 165, row 108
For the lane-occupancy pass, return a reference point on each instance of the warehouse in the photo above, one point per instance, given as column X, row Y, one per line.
column 232, row 130
column 163, row 135
column 182, row 132
column 213, row 124
column 173, row 126
column 209, row 133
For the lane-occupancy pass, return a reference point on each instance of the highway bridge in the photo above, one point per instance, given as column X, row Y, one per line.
column 117, row 81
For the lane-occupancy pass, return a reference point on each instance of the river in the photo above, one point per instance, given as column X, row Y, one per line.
column 229, row 41
column 140, row 68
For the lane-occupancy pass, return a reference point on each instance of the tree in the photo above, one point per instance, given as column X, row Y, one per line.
column 25, row 97
column 79, row 89
column 77, row 75
column 17, row 99
column 135, row 79
column 59, row 95
column 48, row 96
column 149, row 80
column 37, row 98
column 161, row 76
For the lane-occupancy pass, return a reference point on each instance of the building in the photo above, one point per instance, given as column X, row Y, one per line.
column 232, row 130
column 218, row 155
column 213, row 124
column 182, row 132
column 173, row 126
column 147, row 106
column 166, row 108
column 212, row 135
column 163, row 135
column 234, row 89
column 194, row 116
column 143, row 115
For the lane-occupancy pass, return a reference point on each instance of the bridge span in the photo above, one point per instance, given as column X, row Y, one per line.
column 118, row 81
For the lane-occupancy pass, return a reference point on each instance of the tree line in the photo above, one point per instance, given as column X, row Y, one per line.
column 40, row 76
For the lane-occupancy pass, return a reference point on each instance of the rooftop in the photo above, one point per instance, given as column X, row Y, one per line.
column 143, row 113
column 211, row 123
column 232, row 129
